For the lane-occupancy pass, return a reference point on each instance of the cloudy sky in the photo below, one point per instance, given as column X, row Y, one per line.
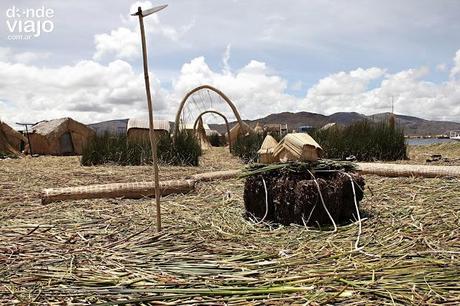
column 268, row 56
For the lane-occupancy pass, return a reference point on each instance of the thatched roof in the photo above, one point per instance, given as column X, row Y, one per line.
column 236, row 130
column 46, row 137
column 268, row 145
column 258, row 128
column 236, row 127
column 46, row 128
column 297, row 145
column 11, row 133
column 55, row 127
column 159, row 125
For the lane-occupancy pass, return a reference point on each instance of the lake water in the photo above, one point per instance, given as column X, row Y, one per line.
column 427, row 141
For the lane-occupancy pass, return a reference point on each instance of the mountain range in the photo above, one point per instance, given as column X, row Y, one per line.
column 413, row 126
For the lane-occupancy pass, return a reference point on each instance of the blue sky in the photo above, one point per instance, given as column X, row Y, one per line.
column 307, row 51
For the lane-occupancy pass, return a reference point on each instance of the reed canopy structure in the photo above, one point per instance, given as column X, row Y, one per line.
column 210, row 101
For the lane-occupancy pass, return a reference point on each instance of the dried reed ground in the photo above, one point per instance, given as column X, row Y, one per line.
column 107, row 251
column 449, row 150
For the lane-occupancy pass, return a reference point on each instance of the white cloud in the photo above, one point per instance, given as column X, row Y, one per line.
column 257, row 91
column 412, row 95
column 253, row 88
column 344, row 83
column 7, row 55
column 441, row 67
column 297, row 86
column 226, row 58
column 87, row 91
column 124, row 42
column 456, row 68
column 90, row 91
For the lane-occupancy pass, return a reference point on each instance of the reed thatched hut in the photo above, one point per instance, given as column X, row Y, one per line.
column 11, row 140
column 276, row 128
column 266, row 150
column 258, row 128
column 237, row 130
column 63, row 136
column 138, row 129
column 297, row 147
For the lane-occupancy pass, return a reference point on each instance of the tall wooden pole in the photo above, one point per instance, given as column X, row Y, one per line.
column 153, row 137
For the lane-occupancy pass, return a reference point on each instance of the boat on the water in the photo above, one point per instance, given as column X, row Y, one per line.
column 455, row 135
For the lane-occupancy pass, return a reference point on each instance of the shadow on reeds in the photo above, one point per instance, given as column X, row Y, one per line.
column 216, row 140
column 4, row 155
column 119, row 150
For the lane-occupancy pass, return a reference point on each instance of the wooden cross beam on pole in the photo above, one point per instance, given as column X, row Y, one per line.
column 153, row 137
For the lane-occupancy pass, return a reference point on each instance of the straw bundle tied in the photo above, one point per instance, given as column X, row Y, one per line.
column 297, row 146
column 268, row 145
column 266, row 150
column 135, row 190
column 398, row 170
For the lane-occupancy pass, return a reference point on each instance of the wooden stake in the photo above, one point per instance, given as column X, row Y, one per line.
column 153, row 138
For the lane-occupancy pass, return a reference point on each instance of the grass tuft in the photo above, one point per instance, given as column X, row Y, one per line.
column 246, row 147
column 216, row 140
column 119, row 150
column 366, row 140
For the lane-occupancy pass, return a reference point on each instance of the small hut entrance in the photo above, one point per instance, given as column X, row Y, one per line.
column 66, row 144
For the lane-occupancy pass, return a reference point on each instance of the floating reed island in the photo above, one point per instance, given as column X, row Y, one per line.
column 322, row 192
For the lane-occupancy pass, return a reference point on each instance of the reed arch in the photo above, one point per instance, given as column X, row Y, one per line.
column 223, row 117
column 215, row 90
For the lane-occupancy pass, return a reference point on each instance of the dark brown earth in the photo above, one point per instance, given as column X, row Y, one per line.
column 294, row 197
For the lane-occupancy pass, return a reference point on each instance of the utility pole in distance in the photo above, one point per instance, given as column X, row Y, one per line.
column 153, row 138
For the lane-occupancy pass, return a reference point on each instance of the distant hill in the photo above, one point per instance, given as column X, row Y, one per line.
column 412, row 126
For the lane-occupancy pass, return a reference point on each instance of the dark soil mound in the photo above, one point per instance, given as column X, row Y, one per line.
column 293, row 197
